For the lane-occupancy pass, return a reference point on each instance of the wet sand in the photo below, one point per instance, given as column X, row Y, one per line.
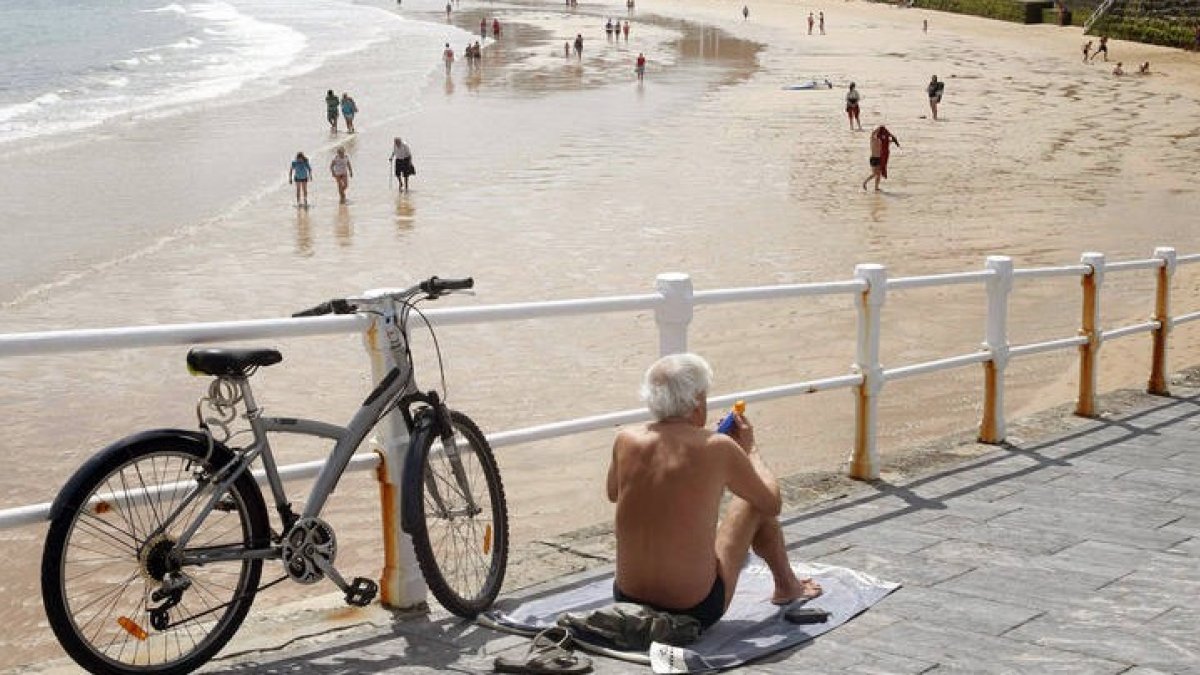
column 551, row 178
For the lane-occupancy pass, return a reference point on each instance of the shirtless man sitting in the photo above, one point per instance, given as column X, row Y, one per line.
column 667, row 479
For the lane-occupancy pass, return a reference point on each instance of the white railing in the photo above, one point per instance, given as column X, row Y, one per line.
column 673, row 303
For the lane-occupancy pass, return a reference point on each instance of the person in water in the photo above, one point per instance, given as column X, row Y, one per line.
column 299, row 174
column 402, row 163
column 342, row 172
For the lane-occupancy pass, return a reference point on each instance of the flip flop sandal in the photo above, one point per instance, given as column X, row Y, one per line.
column 548, row 654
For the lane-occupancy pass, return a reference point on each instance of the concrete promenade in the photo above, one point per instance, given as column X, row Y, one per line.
column 1077, row 554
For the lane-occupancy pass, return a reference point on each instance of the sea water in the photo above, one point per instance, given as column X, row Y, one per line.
column 74, row 64
column 128, row 124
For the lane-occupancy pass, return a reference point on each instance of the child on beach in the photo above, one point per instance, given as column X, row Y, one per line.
column 342, row 172
column 1102, row 48
column 1087, row 50
column 349, row 110
column 1119, row 70
column 331, row 109
column 640, row 68
column 448, row 58
column 300, row 173
column 627, row 31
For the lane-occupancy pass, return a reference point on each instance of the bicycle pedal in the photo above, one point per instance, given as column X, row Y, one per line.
column 361, row 592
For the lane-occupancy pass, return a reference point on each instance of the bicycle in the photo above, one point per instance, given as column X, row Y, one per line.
column 156, row 544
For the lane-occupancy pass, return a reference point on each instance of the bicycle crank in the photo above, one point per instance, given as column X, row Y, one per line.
column 308, row 552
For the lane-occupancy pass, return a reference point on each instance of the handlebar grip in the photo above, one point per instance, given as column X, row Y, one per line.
column 337, row 306
column 435, row 286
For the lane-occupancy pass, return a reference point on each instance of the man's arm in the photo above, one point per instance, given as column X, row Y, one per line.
column 747, row 474
column 612, row 471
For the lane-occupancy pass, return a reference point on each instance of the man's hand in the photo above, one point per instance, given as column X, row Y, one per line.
column 743, row 433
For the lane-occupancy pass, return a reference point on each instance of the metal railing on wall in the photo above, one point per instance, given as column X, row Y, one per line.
column 673, row 302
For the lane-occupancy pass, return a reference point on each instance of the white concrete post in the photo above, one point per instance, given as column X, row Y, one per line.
column 1162, row 314
column 864, row 463
column 674, row 315
column 400, row 583
column 999, row 287
column 1089, row 353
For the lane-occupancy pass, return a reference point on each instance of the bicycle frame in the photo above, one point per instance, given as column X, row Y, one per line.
column 395, row 391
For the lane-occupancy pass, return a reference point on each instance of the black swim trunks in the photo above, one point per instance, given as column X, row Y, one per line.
column 874, row 161
column 708, row 611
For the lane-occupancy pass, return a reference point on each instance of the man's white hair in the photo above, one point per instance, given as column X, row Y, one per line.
column 674, row 385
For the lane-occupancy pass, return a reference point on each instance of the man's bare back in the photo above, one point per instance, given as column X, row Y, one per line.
column 676, row 470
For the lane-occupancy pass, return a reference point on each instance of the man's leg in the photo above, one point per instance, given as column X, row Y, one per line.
column 744, row 527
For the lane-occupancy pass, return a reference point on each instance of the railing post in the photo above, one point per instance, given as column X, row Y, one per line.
column 675, row 313
column 1089, row 353
column 400, row 583
column 864, row 463
column 999, row 287
column 1162, row 314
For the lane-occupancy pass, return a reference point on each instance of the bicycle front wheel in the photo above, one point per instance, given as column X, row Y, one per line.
column 460, row 534
column 116, row 591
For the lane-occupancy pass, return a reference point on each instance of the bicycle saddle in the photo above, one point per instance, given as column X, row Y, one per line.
column 230, row 362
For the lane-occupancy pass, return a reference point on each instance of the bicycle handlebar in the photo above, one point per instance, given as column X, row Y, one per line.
column 433, row 288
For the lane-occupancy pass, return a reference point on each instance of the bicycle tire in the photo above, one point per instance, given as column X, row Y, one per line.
column 99, row 567
column 462, row 557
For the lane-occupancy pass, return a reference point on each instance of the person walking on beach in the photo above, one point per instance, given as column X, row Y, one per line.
column 934, row 90
column 821, row 22
column 448, row 58
column 579, row 46
column 626, row 29
column 852, row 107
column 331, row 109
column 448, row 8
column 402, row 163
column 1087, row 50
column 881, row 140
column 566, row 49
column 925, row 26
column 496, row 28
column 640, row 68
column 483, row 28
column 1101, row 49
column 349, row 110
column 810, row 23
column 667, row 479
column 300, row 174
column 342, row 172
column 745, row 12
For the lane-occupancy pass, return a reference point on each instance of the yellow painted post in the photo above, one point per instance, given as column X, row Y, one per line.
column 992, row 428
column 1162, row 314
column 864, row 463
column 1089, row 352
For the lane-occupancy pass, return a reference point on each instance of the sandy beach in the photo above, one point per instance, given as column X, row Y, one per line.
column 547, row 177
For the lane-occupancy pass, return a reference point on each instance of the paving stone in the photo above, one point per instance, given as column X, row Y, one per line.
column 933, row 607
column 963, row 651
column 1106, row 637
column 1022, row 539
column 906, row 569
column 1091, row 526
column 1026, row 587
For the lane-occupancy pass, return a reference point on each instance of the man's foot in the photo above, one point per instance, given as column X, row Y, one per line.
column 802, row 589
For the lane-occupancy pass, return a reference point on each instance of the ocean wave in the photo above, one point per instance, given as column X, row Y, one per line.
column 222, row 48
column 168, row 9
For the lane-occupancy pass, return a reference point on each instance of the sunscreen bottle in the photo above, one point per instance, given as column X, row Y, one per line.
column 728, row 423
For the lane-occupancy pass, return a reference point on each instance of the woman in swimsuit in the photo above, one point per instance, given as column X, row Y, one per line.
column 342, row 172
column 852, row 107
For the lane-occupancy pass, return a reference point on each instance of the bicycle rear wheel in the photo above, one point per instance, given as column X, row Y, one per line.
column 107, row 554
column 461, row 543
